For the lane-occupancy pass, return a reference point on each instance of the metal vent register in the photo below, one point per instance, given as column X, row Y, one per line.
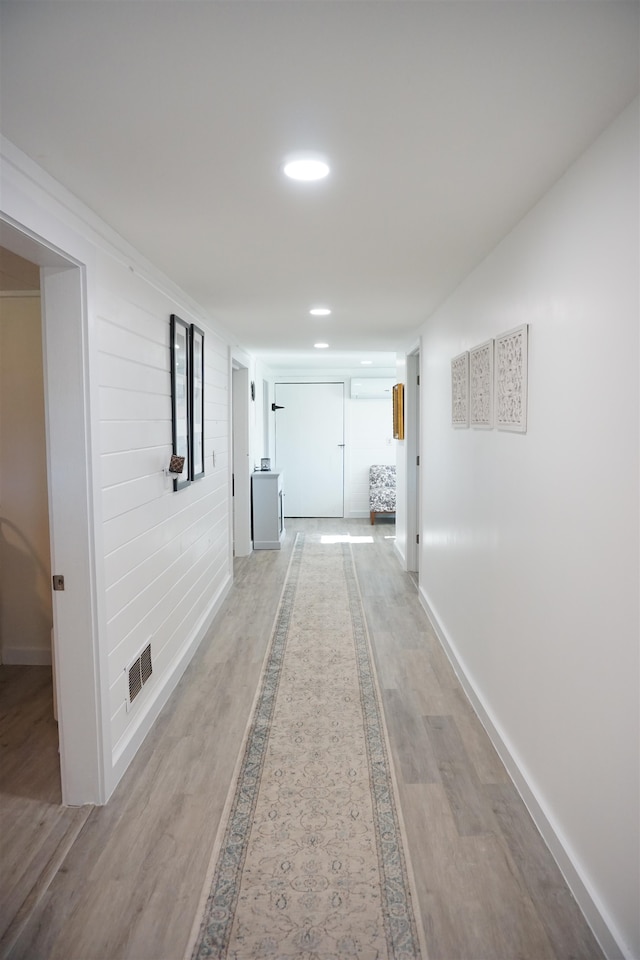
column 138, row 673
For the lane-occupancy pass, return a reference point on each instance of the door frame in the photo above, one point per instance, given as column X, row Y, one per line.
column 73, row 529
column 241, row 456
column 413, row 485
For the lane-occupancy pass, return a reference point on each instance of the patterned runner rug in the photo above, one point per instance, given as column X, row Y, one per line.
column 309, row 861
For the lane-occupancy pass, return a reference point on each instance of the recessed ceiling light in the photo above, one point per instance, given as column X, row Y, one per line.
column 321, row 346
column 320, row 312
column 366, row 363
column 306, row 168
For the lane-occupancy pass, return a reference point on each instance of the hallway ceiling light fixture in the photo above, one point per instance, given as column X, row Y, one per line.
column 306, row 167
column 320, row 311
column 321, row 346
column 366, row 363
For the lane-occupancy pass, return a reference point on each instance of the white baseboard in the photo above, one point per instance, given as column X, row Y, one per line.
column 27, row 656
column 401, row 555
column 130, row 743
column 595, row 915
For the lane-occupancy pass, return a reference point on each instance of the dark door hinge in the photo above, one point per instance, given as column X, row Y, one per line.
column 417, row 538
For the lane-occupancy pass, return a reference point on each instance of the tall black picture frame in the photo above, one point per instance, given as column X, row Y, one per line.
column 197, row 402
column 180, row 396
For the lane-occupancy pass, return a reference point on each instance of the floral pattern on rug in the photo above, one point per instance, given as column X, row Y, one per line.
column 311, row 864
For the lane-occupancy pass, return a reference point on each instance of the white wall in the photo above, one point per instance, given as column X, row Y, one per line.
column 26, row 616
column 529, row 556
column 260, row 445
column 369, row 437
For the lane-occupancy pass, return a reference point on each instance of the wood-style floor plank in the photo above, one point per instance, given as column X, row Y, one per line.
column 405, row 729
column 556, row 906
column 487, row 886
column 36, row 832
column 462, row 787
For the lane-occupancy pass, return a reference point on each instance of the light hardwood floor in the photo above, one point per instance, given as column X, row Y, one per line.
column 125, row 883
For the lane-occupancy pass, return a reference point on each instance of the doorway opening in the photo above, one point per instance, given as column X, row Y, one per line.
column 27, row 690
column 70, row 494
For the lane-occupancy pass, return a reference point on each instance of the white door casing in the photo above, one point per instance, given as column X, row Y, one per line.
column 72, row 543
column 413, row 469
column 242, row 542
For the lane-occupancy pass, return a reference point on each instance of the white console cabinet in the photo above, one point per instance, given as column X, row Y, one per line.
column 268, row 513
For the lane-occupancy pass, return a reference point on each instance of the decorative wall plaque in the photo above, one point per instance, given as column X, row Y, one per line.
column 460, row 390
column 481, row 385
column 398, row 411
column 511, row 380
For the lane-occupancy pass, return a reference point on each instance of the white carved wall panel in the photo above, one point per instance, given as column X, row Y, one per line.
column 481, row 385
column 460, row 390
column 511, row 380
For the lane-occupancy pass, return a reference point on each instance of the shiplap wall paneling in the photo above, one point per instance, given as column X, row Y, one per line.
column 166, row 554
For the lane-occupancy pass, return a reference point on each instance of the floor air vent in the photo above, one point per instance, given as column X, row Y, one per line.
column 138, row 673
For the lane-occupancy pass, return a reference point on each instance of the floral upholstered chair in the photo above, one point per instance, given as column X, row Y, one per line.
column 382, row 490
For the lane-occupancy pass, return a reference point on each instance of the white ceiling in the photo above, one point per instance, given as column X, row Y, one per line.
column 444, row 123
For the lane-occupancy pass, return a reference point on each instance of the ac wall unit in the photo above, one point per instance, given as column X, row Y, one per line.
column 371, row 388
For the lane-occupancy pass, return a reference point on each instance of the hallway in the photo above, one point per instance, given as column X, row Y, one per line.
column 487, row 887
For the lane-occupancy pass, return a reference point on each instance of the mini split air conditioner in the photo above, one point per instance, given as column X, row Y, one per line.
column 371, row 388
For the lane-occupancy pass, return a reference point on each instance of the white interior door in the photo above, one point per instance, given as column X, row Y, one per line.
column 309, row 447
